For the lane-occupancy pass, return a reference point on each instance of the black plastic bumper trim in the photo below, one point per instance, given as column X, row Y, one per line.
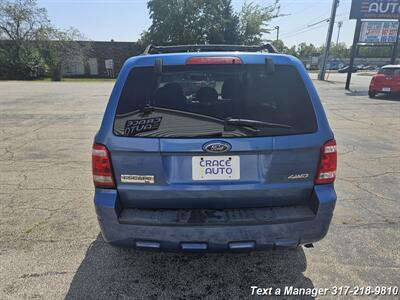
column 212, row 217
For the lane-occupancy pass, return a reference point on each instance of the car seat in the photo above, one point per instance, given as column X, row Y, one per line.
column 170, row 96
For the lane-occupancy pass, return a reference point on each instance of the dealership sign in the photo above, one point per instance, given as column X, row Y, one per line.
column 379, row 32
column 375, row 9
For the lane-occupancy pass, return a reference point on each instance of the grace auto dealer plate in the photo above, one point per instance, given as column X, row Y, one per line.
column 215, row 167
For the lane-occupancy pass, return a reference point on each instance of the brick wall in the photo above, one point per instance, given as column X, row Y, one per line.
column 119, row 52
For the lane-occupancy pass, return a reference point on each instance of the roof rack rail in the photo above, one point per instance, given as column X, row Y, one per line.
column 151, row 49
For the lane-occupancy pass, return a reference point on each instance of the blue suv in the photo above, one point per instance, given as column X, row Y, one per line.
column 214, row 148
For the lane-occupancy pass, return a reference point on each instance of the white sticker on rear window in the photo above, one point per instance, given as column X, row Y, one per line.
column 134, row 127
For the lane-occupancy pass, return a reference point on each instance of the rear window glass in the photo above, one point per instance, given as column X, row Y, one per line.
column 390, row 71
column 196, row 101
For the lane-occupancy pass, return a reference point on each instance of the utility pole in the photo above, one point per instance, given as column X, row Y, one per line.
column 396, row 46
column 321, row 75
column 339, row 25
column 353, row 53
column 277, row 32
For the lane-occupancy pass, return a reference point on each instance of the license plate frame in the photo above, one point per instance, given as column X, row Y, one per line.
column 216, row 168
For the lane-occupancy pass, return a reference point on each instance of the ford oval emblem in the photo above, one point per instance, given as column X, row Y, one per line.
column 217, row 147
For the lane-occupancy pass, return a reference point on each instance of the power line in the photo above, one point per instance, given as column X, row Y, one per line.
column 307, row 25
column 326, row 20
column 302, row 27
column 304, row 31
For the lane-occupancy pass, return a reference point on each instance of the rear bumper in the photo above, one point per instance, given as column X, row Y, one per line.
column 379, row 89
column 214, row 237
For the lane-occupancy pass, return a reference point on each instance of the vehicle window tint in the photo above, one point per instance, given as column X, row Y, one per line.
column 194, row 101
column 390, row 71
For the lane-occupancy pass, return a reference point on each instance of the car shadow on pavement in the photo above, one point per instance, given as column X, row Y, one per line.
column 387, row 98
column 111, row 273
column 377, row 97
column 357, row 93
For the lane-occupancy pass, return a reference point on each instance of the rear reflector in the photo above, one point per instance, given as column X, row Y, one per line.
column 327, row 163
column 101, row 167
column 214, row 61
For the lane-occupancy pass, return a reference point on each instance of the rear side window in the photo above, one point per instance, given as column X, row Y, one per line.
column 195, row 101
column 390, row 71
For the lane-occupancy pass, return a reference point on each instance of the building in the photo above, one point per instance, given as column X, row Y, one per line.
column 104, row 59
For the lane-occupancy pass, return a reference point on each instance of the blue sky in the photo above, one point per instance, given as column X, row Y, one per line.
column 124, row 20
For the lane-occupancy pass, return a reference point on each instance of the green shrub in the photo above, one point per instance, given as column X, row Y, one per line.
column 28, row 65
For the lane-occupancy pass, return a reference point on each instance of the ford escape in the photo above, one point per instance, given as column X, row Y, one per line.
column 214, row 148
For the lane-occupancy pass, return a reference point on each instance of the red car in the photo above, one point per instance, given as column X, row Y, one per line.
column 387, row 81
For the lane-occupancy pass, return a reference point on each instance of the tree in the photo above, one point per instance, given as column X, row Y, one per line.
column 206, row 21
column 30, row 64
column 172, row 20
column 220, row 24
column 305, row 50
column 31, row 45
column 60, row 47
column 20, row 22
column 291, row 51
column 254, row 20
column 340, row 51
column 280, row 46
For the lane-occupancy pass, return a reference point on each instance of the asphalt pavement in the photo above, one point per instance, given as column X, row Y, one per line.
column 50, row 247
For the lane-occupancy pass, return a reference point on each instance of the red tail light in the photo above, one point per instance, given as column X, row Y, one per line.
column 327, row 163
column 214, row 61
column 101, row 167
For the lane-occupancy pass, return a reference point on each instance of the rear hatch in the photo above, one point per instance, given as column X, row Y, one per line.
column 388, row 80
column 214, row 134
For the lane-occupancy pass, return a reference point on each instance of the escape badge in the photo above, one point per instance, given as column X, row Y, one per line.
column 137, row 178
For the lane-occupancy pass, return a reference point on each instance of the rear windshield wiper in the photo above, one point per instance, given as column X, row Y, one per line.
column 147, row 109
column 253, row 123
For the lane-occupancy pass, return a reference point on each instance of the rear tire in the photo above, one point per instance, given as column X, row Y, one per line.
column 371, row 94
